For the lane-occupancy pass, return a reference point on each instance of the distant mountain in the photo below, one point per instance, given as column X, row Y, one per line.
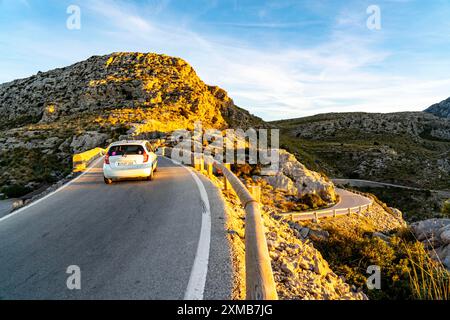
column 441, row 109
column 409, row 148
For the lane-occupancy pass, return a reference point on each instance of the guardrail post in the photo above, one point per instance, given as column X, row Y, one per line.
column 199, row 164
column 349, row 210
column 359, row 210
column 226, row 183
column 209, row 167
column 316, row 217
column 256, row 192
column 334, row 213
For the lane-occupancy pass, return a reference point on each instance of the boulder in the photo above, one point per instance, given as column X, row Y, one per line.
column 318, row 235
column 294, row 177
column 442, row 254
column 88, row 140
column 445, row 234
column 17, row 204
column 281, row 182
column 321, row 267
column 428, row 229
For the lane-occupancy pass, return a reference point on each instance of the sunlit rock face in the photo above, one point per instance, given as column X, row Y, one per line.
column 163, row 88
column 294, row 178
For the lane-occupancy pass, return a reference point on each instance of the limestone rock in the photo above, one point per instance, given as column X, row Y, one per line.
column 296, row 179
column 445, row 234
column 88, row 140
column 428, row 229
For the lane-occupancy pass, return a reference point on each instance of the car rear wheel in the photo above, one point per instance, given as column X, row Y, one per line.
column 107, row 181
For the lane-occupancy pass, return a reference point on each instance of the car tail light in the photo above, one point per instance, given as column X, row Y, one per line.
column 107, row 159
column 145, row 157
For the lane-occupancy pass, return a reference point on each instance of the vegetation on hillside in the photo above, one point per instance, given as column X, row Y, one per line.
column 414, row 204
column 407, row 271
column 392, row 152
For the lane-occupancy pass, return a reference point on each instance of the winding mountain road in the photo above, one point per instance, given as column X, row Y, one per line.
column 131, row 240
column 347, row 200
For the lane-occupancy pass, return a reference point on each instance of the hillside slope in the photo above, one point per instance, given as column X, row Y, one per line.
column 409, row 148
column 45, row 118
column 441, row 109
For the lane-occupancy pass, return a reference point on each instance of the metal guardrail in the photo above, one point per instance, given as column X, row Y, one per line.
column 316, row 215
column 259, row 280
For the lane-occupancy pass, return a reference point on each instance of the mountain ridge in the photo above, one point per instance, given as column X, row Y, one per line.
column 118, row 81
column 441, row 109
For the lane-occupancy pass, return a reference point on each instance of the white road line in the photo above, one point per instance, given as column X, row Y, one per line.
column 197, row 280
column 51, row 193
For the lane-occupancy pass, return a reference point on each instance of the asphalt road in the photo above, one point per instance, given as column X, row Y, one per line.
column 131, row 240
column 349, row 200
column 5, row 207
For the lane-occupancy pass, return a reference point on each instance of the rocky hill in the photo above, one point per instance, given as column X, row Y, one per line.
column 441, row 109
column 45, row 118
column 410, row 148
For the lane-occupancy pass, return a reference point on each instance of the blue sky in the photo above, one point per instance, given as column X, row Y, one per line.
column 278, row 59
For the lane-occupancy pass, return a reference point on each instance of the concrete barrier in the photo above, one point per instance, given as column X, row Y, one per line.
column 82, row 160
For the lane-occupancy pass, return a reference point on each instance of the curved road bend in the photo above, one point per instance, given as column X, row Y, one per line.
column 131, row 240
column 347, row 200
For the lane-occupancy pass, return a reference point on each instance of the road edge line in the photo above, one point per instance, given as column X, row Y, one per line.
column 197, row 280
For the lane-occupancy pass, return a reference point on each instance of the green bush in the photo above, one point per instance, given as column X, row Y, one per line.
column 446, row 207
column 407, row 272
column 15, row 191
column 313, row 201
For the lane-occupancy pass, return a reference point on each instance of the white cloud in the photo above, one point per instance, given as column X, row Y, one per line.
column 272, row 82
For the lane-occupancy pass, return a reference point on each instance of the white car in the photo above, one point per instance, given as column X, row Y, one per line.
column 129, row 159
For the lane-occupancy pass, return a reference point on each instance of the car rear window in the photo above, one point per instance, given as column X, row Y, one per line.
column 120, row 150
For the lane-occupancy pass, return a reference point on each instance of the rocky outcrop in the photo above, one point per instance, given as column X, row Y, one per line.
column 435, row 236
column 87, row 140
column 441, row 109
column 120, row 80
column 295, row 179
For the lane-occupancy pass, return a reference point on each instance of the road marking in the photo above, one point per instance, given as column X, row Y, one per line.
column 51, row 193
column 197, row 279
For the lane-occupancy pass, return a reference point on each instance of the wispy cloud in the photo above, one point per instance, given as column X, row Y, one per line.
column 345, row 71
